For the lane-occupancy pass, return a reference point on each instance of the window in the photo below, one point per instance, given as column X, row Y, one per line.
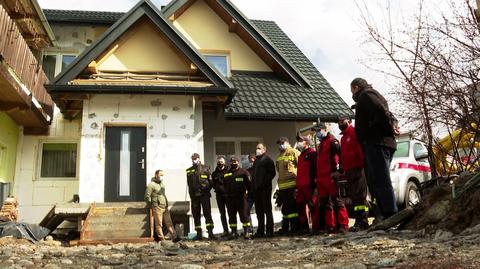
column 53, row 64
column 58, row 160
column 240, row 147
column 221, row 62
column 419, row 150
column 402, row 149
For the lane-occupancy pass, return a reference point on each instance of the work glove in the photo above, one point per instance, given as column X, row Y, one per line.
column 278, row 201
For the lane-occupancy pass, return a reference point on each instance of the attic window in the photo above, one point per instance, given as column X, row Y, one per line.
column 221, row 62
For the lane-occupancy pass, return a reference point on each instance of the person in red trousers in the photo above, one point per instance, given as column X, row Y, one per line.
column 353, row 162
column 306, row 173
column 330, row 204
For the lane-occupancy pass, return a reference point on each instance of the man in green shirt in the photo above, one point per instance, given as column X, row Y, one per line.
column 157, row 201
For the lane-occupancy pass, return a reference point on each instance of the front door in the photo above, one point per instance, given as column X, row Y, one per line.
column 125, row 164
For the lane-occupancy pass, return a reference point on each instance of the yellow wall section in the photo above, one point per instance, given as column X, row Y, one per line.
column 8, row 143
column 207, row 31
column 144, row 49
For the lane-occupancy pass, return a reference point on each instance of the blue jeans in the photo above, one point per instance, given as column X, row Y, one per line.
column 378, row 159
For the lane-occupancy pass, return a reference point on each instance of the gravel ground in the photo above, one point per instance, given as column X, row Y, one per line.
column 395, row 249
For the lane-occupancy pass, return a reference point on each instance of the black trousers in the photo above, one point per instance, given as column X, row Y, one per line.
column 263, row 208
column 289, row 209
column 357, row 189
column 238, row 204
column 222, row 207
column 378, row 160
column 202, row 203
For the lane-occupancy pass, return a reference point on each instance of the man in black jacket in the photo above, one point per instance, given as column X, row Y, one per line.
column 219, row 187
column 200, row 183
column 237, row 185
column 376, row 128
column 264, row 172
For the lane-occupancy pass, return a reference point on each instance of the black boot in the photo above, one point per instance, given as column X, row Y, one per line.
column 361, row 221
column 260, row 233
column 199, row 235
column 294, row 226
column 233, row 234
column 284, row 230
column 211, row 236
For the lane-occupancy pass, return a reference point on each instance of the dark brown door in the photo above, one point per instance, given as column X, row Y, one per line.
column 125, row 164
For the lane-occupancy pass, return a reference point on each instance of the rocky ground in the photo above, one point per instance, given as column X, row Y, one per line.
column 394, row 249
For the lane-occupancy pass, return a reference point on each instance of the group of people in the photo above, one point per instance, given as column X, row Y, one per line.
column 308, row 177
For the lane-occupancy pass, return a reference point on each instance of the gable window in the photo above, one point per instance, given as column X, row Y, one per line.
column 58, row 160
column 221, row 62
column 54, row 63
column 239, row 146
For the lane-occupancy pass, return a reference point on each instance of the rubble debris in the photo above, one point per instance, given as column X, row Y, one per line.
column 20, row 230
column 445, row 209
column 9, row 210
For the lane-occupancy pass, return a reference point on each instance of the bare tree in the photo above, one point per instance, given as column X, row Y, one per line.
column 434, row 59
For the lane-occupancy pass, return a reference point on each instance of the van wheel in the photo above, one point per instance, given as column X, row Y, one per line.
column 413, row 196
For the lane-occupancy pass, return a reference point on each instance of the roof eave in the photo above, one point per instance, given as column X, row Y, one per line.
column 280, row 117
column 139, row 89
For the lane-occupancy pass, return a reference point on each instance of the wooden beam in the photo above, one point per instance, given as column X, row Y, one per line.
column 12, row 107
column 36, row 130
column 232, row 27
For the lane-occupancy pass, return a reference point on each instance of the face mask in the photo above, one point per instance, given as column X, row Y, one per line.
column 234, row 166
column 196, row 161
column 220, row 165
column 300, row 146
column 258, row 152
column 343, row 127
column 320, row 135
column 282, row 147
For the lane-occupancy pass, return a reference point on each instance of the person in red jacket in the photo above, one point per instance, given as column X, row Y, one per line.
column 353, row 162
column 329, row 202
column 306, row 173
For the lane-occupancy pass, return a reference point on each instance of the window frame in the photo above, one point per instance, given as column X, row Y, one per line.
column 237, row 141
column 58, row 59
column 40, row 158
column 226, row 53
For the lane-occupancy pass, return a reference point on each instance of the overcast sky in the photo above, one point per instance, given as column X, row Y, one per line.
column 327, row 31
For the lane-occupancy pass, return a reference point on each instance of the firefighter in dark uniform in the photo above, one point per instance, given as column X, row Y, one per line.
column 237, row 185
column 220, row 194
column 200, row 183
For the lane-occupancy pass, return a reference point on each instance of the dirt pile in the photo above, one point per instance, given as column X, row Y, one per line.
column 451, row 207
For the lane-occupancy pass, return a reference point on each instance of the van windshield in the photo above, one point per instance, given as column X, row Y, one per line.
column 402, row 149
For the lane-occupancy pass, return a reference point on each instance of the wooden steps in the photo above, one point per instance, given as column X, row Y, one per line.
column 117, row 222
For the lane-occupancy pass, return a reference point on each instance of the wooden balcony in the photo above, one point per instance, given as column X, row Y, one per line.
column 22, row 92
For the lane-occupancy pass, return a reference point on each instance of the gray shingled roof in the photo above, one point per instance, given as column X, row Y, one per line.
column 265, row 96
column 260, row 95
column 82, row 16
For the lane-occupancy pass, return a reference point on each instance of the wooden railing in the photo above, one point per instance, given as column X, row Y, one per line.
column 18, row 56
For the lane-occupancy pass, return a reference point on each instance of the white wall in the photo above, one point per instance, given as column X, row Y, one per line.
column 171, row 153
column 37, row 196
